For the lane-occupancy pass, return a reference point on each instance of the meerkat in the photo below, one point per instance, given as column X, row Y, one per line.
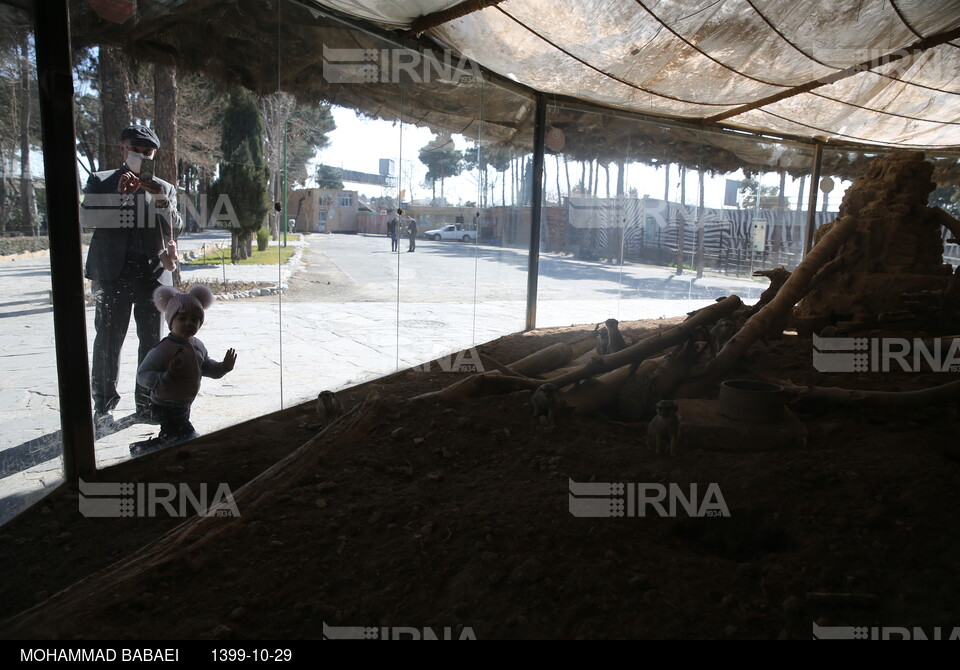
column 721, row 332
column 328, row 408
column 613, row 333
column 603, row 340
column 662, row 431
column 545, row 402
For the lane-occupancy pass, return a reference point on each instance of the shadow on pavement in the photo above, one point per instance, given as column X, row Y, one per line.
column 46, row 448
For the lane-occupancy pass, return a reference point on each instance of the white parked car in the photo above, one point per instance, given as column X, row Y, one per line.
column 451, row 232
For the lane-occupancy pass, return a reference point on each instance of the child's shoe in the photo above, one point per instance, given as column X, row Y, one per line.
column 146, row 446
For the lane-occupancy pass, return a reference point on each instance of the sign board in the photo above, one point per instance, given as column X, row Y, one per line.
column 759, row 234
column 730, row 193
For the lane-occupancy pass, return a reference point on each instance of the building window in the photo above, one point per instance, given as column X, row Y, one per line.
column 346, row 200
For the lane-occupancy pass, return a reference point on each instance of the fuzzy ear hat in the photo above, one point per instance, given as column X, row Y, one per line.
column 168, row 301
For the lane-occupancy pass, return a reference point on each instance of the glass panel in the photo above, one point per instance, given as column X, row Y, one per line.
column 946, row 196
column 30, row 441
column 412, row 133
column 654, row 220
column 210, row 193
column 340, row 310
column 503, row 181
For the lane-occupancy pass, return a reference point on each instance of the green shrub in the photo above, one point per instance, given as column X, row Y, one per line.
column 263, row 238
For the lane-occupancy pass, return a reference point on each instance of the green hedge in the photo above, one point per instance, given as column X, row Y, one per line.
column 18, row 245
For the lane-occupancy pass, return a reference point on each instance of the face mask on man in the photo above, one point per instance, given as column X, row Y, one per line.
column 133, row 161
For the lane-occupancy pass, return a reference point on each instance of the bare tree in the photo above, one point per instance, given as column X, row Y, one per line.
column 27, row 201
column 293, row 133
column 199, row 132
column 114, row 100
column 165, row 119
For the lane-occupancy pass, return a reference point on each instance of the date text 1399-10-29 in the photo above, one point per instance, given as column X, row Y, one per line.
column 276, row 654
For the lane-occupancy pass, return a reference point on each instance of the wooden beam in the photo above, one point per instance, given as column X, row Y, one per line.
column 434, row 19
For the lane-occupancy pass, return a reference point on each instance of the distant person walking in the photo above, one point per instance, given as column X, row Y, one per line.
column 392, row 231
column 412, row 234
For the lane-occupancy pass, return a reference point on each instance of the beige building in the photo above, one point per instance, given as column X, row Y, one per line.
column 318, row 210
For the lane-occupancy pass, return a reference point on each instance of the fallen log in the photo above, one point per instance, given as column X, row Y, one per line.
column 494, row 381
column 778, row 277
column 947, row 221
column 757, row 326
column 595, row 394
column 651, row 345
column 840, row 396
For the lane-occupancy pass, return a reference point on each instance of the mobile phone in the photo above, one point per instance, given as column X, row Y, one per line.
column 146, row 169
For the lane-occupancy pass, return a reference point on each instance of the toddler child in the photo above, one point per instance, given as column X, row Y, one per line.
column 172, row 369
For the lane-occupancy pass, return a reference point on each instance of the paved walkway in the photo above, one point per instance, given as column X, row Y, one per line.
column 288, row 352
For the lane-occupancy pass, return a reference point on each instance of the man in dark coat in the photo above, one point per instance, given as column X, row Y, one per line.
column 412, row 234
column 392, row 232
column 134, row 222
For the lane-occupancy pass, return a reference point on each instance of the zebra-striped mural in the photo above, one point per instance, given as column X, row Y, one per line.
column 647, row 223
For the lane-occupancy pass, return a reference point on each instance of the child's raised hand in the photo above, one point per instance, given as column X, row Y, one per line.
column 229, row 360
column 176, row 366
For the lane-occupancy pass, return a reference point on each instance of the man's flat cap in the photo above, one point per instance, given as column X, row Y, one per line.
column 140, row 135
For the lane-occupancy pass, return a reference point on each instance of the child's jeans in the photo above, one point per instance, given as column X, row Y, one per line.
column 174, row 421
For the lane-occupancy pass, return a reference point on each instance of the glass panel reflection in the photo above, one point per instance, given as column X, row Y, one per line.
column 30, row 442
column 653, row 220
column 178, row 174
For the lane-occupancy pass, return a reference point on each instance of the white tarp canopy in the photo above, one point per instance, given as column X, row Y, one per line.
column 699, row 59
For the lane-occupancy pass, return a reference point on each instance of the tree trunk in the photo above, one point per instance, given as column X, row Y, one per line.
column 757, row 326
column 488, row 383
column 26, row 101
column 681, row 220
column 652, row 344
column 796, row 236
column 114, row 102
column 780, row 220
column 700, row 214
column 559, row 197
column 165, row 120
column 949, row 392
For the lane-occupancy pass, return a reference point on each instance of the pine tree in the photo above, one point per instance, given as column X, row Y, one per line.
column 244, row 175
column 443, row 160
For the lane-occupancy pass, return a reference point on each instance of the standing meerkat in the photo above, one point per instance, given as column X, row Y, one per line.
column 545, row 402
column 603, row 340
column 722, row 331
column 616, row 339
column 327, row 409
column 663, row 428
